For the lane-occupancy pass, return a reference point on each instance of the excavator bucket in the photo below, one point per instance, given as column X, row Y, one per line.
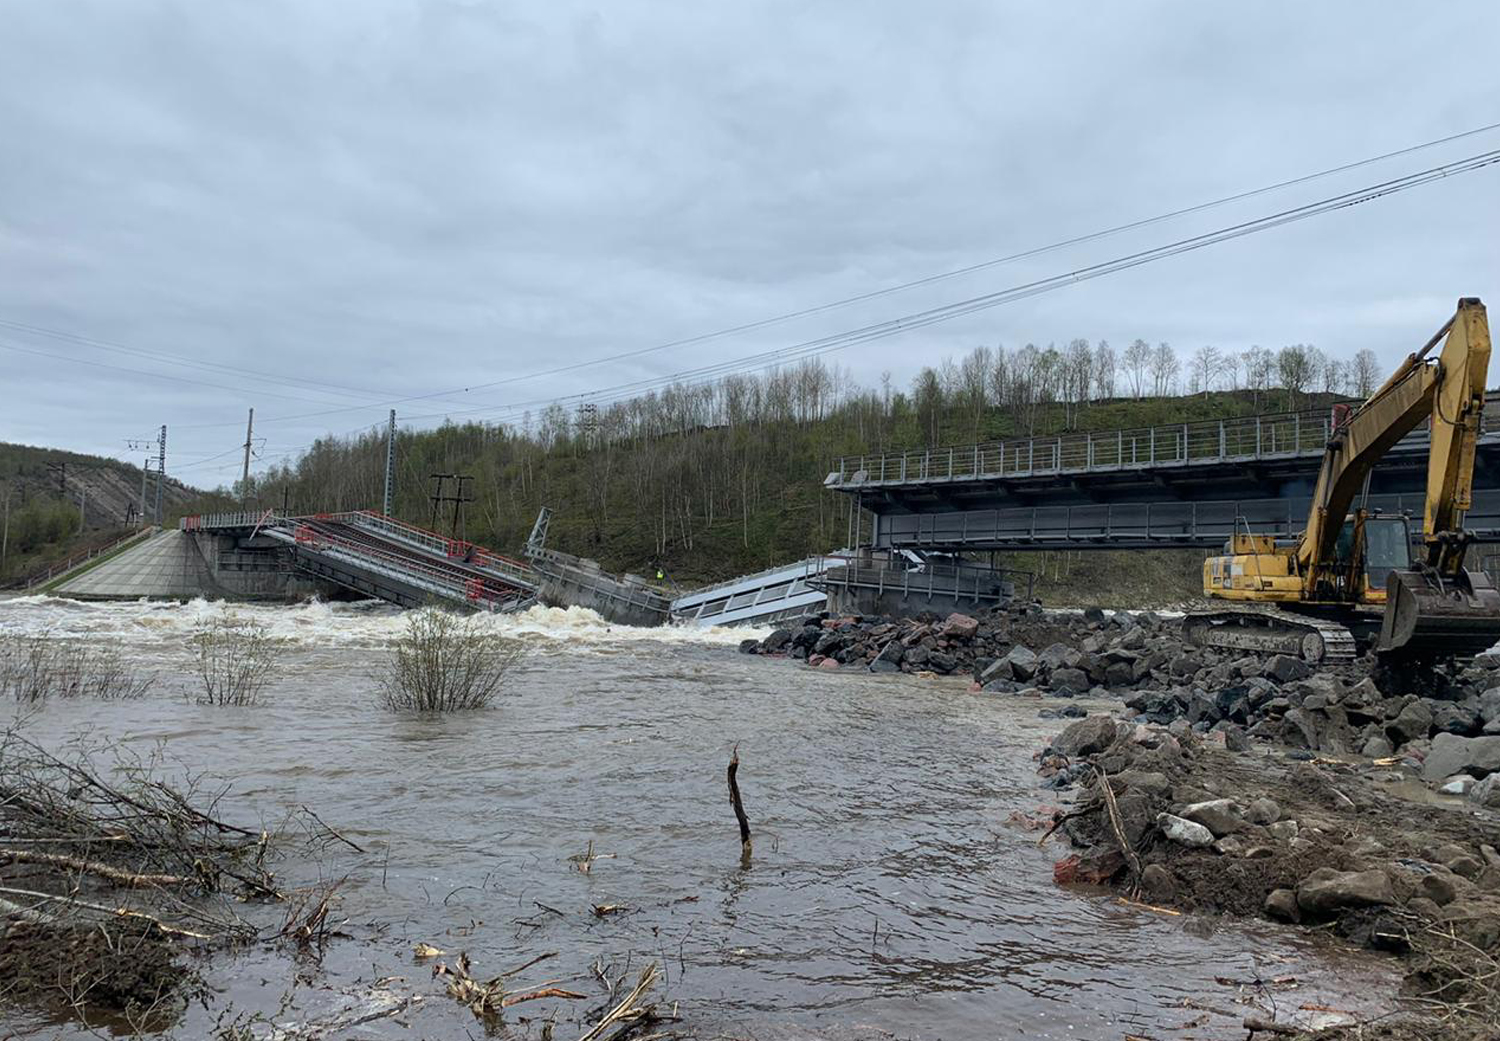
column 1427, row 616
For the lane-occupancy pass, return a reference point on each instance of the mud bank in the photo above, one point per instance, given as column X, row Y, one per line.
column 1357, row 849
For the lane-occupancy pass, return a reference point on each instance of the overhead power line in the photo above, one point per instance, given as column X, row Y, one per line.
column 958, row 272
column 759, row 324
column 986, row 264
column 947, row 312
column 922, row 319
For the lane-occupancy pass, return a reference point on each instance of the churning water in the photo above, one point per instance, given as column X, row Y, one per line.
column 888, row 895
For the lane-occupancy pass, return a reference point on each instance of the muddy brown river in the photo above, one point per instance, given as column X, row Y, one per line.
column 888, row 895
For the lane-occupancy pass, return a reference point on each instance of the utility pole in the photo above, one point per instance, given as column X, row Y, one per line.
column 390, row 467
column 83, row 503
column 588, row 424
column 61, row 469
column 5, row 531
column 465, row 494
column 161, row 469
column 245, row 480
column 462, row 494
column 136, row 445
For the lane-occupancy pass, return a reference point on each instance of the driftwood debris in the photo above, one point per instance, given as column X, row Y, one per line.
column 739, row 807
column 629, row 1010
column 1117, row 826
column 131, row 879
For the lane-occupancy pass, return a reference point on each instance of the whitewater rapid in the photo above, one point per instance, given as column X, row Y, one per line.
column 316, row 623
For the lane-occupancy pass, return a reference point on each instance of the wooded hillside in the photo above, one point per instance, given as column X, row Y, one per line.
column 54, row 503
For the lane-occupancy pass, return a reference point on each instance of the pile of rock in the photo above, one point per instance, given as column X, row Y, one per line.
column 1456, row 742
column 1009, row 649
column 1243, row 851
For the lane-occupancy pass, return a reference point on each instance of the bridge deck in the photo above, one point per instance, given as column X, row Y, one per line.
column 1184, row 449
column 763, row 597
column 381, row 557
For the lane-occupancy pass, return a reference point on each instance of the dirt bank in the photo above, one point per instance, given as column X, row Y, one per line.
column 1359, row 849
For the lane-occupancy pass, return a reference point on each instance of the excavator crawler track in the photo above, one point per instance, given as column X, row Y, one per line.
column 1270, row 630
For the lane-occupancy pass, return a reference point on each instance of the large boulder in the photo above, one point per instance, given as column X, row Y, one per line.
column 1184, row 832
column 1414, row 721
column 942, row 662
column 1119, row 674
column 1220, row 816
column 960, row 627
column 1487, row 792
column 1158, row 706
column 1086, row 737
column 1233, row 704
column 830, row 642
column 1069, row 681
column 1285, row 669
column 775, row 642
column 1489, row 705
column 1326, row 890
column 807, row 636
column 1452, row 718
column 1060, row 656
column 1451, row 754
column 1133, row 640
column 1022, row 662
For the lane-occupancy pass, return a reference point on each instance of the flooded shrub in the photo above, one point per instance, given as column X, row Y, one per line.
column 26, row 671
column 444, row 662
column 114, row 866
column 236, row 657
column 39, row 666
column 109, row 677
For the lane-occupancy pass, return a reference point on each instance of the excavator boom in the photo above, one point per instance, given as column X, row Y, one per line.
column 1307, row 593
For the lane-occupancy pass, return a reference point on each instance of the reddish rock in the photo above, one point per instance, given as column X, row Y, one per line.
column 1094, row 869
column 961, row 626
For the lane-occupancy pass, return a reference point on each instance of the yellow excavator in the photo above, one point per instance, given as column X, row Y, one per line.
column 1351, row 578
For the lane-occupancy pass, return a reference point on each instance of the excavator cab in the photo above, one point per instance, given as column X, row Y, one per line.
column 1368, row 548
column 1387, row 549
column 1373, row 546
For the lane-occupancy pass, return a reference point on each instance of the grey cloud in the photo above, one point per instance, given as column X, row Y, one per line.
column 409, row 196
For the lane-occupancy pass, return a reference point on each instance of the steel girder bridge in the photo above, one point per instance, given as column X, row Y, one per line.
column 1187, row 485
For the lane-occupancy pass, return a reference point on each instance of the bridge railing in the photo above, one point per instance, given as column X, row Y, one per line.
column 979, row 584
column 313, row 539
column 47, row 574
column 454, row 549
column 231, row 519
column 1279, row 435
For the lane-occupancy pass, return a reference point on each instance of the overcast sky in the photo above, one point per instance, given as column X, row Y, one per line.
column 374, row 200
